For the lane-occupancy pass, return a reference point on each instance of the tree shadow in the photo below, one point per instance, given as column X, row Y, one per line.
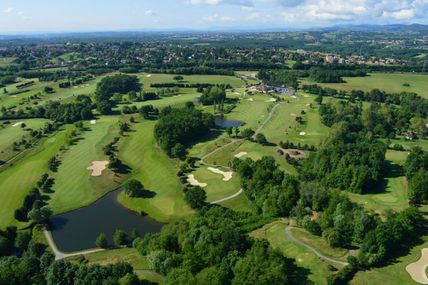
column 297, row 274
column 148, row 194
column 391, row 170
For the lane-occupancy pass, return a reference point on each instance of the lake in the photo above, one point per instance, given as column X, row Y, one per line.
column 78, row 230
column 224, row 123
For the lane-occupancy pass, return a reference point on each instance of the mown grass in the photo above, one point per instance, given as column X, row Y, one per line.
column 18, row 179
column 275, row 234
column 390, row 82
column 74, row 186
column 156, row 171
column 129, row 255
column 10, row 134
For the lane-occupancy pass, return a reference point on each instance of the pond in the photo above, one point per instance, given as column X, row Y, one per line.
column 78, row 230
column 224, row 123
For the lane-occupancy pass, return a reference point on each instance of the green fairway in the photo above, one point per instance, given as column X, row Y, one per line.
column 394, row 273
column 216, row 188
column 275, row 234
column 239, row 203
column 74, row 186
column 389, row 82
column 13, row 132
column 6, row 61
column 17, row 180
column 149, row 78
column 156, row 171
column 129, row 255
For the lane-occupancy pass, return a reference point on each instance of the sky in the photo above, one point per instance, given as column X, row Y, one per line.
column 30, row 16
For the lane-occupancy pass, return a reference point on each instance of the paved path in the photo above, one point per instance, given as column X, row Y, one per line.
column 290, row 235
column 61, row 255
column 228, row 198
column 272, row 111
column 217, row 150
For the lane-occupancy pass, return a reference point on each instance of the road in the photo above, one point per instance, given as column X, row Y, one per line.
column 61, row 255
column 290, row 235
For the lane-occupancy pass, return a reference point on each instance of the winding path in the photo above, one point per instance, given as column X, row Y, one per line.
column 290, row 235
column 270, row 115
column 61, row 255
column 227, row 198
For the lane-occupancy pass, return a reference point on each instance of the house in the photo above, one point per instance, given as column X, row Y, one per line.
column 410, row 135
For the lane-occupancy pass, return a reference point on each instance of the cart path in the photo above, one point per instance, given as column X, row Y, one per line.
column 228, row 198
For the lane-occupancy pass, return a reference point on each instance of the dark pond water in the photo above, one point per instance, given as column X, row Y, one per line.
column 224, row 123
column 77, row 230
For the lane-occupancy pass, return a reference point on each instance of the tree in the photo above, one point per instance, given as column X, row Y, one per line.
column 129, row 279
column 178, row 151
column 39, row 215
column 178, row 78
column 21, row 241
column 195, row 197
column 419, row 186
column 133, row 188
column 229, row 131
column 261, row 139
column 120, row 238
column 237, row 131
column 101, row 241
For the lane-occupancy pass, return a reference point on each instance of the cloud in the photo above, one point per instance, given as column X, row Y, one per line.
column 356, row 11
column 149, row 13
column 9, row 10
column 245, row 3
column 218, row 18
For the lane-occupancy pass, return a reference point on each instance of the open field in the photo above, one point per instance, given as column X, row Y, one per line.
column 6, row 61
column 12, row 132
column 390, row 82
column 275, row 234
column 74, row 186
column 17, row 180
column 156, row 171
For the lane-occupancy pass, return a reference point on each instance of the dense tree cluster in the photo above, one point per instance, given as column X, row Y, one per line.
column 111, row 85
column 177, row 128
column 416, row 170
column 281, row 77
column 213, row 95
column 213, row 248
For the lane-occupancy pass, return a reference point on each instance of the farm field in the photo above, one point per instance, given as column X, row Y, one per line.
column 389, row 82
column 74, row 186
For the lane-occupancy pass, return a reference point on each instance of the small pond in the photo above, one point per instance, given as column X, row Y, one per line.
column 224, row 123
column 78, row 230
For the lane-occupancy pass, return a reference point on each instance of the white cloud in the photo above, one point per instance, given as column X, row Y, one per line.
column 9, row 10
column 149, row 13
column 218, row 18
column 254, row 16
column 244, row 3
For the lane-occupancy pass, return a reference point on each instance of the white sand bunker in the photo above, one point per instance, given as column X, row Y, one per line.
column 226, row 175
column 241, row 154
column 251, row 99
column 148, row 75
column 293, row 115
column 93, row 122
column 302, row 133
column 271, row 100
column 97, row 167
column 192, row 180
column 294, row 97
column 17, row 124
column 417, row 270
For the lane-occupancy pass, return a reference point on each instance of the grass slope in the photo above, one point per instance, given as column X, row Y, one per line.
column 74, row 186
column 157, row 172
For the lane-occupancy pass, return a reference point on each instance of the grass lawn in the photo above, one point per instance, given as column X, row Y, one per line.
column 148, row 79
column 129, row 255
column 17, row 180
column 156, row 171
column 216, row 188
column 6, row 61
column 10, row 134
column 239, row 203
column 394, row 273
column 389, row 82
column 74, row 186
column 275, row 234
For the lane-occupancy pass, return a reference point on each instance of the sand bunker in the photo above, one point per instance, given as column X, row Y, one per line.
column 302, row 134
column 293, row 115
column 271, row 100
column 294, row 153
column 417, row 270
column 251, row 99
column 17, row 124
column 97, row 167
column 226, row 175
column 93, row 122
column 294, row 97
column 148, row 75
column 191, row 179
column 241, row 154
